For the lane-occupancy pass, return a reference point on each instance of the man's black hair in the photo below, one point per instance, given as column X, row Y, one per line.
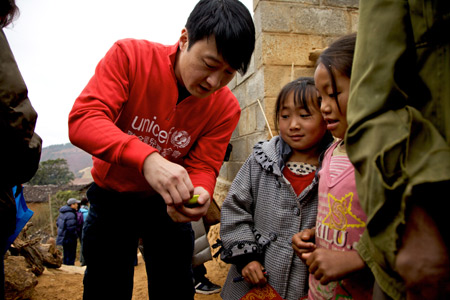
column 230, row 23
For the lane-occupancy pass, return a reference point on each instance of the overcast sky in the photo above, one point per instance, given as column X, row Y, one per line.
column 58, row 43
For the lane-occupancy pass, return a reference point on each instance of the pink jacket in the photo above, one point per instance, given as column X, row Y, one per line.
column 339, row 226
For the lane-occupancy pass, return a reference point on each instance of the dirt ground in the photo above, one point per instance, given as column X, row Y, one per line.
column 59, row 284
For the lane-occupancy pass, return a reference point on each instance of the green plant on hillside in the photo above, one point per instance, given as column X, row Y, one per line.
column 40, row 220
column 53, row 171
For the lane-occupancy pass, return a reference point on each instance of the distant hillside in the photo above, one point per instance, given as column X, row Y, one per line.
column 79, row 161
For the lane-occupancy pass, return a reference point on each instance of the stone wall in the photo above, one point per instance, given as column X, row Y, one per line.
column 288, row 33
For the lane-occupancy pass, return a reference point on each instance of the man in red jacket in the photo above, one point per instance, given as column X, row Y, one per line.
column 157, row 120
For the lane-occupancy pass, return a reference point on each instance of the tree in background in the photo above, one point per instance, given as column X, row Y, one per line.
column 54, row 171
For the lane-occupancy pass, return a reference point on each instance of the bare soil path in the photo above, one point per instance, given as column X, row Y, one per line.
column 67, row 283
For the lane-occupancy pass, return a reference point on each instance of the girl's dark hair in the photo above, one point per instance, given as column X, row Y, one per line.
column 339, row 56
column 8, row 12
column 230, row 23
column 84, row 200
column 305, row 94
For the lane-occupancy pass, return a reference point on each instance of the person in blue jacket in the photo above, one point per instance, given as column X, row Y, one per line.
column 84, row 207
column 84, row 210
column 67, row 230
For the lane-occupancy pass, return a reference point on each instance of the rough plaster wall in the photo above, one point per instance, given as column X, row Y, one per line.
column 288, row 32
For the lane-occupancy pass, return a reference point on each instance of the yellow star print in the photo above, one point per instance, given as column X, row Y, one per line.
column 340, row 215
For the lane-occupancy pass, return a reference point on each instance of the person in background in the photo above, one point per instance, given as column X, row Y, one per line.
column 67, row 230
column 273, row 196
column 202, row 254
column 157, row 120
column 84, row 207
column 20, row 149
column 84, row 210
column 399, row 141
column 337, row 271
column 202, row 250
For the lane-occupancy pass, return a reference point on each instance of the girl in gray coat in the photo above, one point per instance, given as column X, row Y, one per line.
column 274, row 196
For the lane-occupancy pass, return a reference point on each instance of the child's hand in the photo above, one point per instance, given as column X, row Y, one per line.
column 253, row 273
column 330, row 265
column 303, row 242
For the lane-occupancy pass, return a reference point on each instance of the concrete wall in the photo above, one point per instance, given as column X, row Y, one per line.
column 288, row 34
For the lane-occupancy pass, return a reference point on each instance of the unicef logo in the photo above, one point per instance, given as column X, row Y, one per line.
column 180, row 139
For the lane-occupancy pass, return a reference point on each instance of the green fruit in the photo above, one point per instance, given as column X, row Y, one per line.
column 193, row 201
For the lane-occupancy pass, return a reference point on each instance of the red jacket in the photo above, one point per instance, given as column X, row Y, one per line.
column 129, row 109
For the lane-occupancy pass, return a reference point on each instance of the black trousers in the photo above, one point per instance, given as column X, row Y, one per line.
column 110, row 239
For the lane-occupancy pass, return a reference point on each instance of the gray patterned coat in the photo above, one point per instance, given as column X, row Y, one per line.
column 260, row 215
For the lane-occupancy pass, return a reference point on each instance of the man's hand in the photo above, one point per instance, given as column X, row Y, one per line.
column 303, row 242
column 330, row 265
column 183, row 214
column 168, row 179
column 422, row 260
column 253, row 273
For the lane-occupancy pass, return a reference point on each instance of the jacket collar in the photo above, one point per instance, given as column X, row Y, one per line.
column 285, row 151
column 271, row 155
column 172, row 52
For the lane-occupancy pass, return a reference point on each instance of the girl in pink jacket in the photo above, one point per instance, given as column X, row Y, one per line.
column 336, row 269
